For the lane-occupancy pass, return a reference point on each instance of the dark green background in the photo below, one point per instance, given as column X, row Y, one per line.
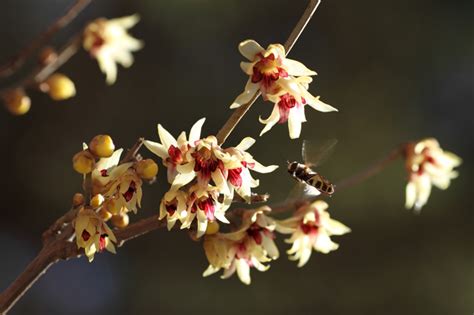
column 396, row 70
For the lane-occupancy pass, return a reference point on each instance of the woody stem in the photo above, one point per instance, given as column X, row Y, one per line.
column 239, row 113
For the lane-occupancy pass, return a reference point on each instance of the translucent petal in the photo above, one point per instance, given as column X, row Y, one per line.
column 249, row 49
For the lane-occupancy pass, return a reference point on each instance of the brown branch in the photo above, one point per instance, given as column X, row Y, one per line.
column 371, row 170
column 62, row 248
column 42, row 72
column 19, row 59
column 239, row 113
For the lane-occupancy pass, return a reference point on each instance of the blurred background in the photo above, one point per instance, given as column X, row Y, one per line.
column 396, row 70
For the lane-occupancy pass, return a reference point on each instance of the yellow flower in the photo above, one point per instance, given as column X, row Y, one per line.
column 109, row 42
column 204, row 160
column 250, row 246
column 205, row 206
column 92, row 233
column 427, row 164
column 282, row 81
column 311, row 228
column 118, row 181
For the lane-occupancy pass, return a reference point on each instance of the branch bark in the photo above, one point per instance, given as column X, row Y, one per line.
column 63, row 248
column 19, row 59
column 240, row 112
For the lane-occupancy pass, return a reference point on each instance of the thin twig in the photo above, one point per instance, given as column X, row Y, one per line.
column 239, row 113
column 42, row 72
column 19, row 59
column 372, row 170
column 64, row 249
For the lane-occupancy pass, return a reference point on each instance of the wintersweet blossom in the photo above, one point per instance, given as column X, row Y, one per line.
column 311, row 228
column 427, row 164
column 203, row 205
column 282, row 81
column 118, row 181
column 250, row 246
column 92, row 233
column 109, row 42
column 203, row 159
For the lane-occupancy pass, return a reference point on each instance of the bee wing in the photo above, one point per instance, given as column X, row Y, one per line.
column 302, row 191
column 315, row 153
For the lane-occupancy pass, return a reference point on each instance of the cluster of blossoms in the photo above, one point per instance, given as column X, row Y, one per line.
column 253, row 243
column 116, row 187
column 106, row 40
column 427, row 164
column 204, row 177
column 282, row 81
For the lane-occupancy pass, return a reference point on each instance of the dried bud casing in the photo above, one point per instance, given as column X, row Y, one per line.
column 147, row 169
column 77, row 200
column 17, row 102
column 102, row 146
column 83, row 162
column 59, row 87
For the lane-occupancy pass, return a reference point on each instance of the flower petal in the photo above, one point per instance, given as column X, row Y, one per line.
column 250, row 48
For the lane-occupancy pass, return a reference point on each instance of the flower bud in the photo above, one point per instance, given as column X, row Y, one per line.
column 77, row 200
column 102, row 146
column 212, row 227
column 112, row 206
column 17, row 102
column 83, row 162
column 59, row 87
column 147, row 169
column 120, row 221
column 97, row 201
column 104, row 214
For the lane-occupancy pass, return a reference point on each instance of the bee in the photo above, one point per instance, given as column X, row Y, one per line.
column 313, row 183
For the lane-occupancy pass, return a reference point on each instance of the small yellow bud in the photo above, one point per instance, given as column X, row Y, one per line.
column 112, row 206
column 77, row 200
column 59, row 87
column 83, row 162
column 17, row 102
column 102, row 146
column 212, row 227
column 120, row 221
column 147, row 169
column 104, row 214
column 97, row 200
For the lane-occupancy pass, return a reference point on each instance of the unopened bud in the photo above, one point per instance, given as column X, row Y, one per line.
column 212, row 227
column 147, row 169
column 97, row 201
column 102, row 146
column 121, row 220
column 59, row 87
column 104, row 214
column 113, row 206
column 83, row 162
column 17, row 102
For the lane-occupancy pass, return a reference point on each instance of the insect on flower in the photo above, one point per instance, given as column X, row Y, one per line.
column 311, row 182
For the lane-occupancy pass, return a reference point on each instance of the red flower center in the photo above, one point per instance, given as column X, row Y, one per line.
column 254, row 231
column 102, row 242
column 268, row 71
column 287, row 102
column 207, row 205
column 128, row 195
column 103, row 173
column 205, row 163
column 171, row 208
column 234, row 177
column 176, row 156
column 85, row 235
